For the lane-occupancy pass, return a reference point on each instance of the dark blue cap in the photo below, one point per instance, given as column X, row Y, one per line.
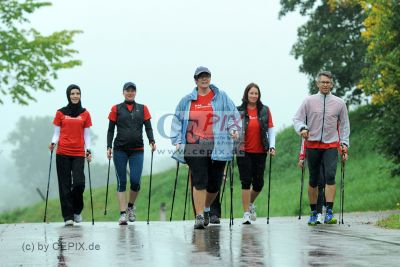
column 200, row 70
column 129, row 85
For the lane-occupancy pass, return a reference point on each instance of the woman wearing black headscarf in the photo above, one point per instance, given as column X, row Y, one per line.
column 72, row 134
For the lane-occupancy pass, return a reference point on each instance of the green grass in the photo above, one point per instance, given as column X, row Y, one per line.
column 391, row 222
column 368, row 185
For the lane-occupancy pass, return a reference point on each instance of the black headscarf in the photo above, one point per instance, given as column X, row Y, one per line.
column 72, row 110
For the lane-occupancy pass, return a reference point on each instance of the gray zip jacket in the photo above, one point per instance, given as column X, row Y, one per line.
column 326, row 118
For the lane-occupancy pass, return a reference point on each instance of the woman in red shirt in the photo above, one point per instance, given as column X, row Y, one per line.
column 129, row 117
column 72, row 135
column 204, row 127
column 259, row 140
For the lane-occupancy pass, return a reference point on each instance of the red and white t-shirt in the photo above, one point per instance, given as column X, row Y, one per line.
column 72, row 142
column 201, row 118
column 253, row 141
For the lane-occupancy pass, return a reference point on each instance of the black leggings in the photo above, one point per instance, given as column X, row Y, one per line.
column 206, row 173
column 325, row 159
column 321, row 190
column 71, row 184
column 251, row 170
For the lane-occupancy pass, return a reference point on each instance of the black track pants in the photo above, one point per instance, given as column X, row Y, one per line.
column 71, row 184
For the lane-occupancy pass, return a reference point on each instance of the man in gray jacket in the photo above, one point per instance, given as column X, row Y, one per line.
column 323, row 121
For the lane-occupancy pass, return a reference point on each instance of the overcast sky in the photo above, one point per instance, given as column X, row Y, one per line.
column 158, row 44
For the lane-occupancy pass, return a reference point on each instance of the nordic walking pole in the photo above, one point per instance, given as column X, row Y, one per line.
column 231, row 186
column 302, row 151
column 173, row 197
column 151, row 176
column 342, row 190
column 223, row 188
column 224, row 177
column 301, row 188
column 108, row 180
column 48, row 185
column 90, row 187
column 186, row 194
column 269, row 186
column 191, row 193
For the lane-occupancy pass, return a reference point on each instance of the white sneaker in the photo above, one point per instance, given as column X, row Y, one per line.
column 320, row 218
column 122, row 219
column 253, row 214
column 77, row 218
column 323, row 211
column 131, row 213
column 246, row 218
column 69, row 223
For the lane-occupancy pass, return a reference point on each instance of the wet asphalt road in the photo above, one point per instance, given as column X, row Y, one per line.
column 283, row 242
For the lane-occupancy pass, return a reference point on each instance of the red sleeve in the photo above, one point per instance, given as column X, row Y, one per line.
column 270, row 123
column 113, row 114
column 57, row 118
column 88, row 121
column 147, row 115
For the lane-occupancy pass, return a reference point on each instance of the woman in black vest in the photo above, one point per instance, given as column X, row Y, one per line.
column 258, row 140
column 129, row 117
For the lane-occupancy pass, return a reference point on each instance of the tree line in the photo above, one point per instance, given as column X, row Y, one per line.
column 359, row 42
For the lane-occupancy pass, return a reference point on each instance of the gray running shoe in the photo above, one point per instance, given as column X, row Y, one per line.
column 206, row 218
column 253, row 214
column 131, row 214
column 199, row 222
column 214, row 219
column 122, row 219
column 77, row 218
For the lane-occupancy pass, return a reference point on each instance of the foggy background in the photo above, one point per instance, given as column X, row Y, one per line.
column 157, row 45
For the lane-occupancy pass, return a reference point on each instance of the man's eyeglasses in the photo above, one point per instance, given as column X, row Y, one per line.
column 325, row 83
